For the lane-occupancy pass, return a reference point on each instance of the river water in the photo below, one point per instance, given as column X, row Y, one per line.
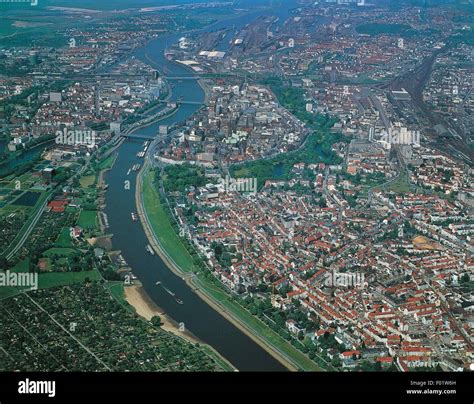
column 129, row 237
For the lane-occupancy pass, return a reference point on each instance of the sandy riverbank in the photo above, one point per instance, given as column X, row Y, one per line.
column 146, row 308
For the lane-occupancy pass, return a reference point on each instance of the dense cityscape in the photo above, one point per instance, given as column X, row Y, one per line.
column 294, row 175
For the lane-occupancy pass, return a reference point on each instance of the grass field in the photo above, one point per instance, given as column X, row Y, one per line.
column 88, row 219
column 87, row 181
column 178, row 252
column 54, row 279
column 108, row 163
column 22, row 266
column 64, row 239
column 64, row 252
column 117, row 291
column 401, row 185
column 162, row 226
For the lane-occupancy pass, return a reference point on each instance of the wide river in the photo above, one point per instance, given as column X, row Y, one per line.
column 128, row 236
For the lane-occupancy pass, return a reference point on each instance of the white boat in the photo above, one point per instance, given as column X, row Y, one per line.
column 169, row 291
column 149, row 249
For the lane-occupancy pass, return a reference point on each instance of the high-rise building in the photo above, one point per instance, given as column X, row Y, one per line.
column 47, row 174
column 115, row 127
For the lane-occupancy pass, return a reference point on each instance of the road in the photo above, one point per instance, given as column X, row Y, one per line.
column 27, row 232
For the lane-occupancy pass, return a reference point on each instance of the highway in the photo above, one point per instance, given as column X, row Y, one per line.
column 27, row 232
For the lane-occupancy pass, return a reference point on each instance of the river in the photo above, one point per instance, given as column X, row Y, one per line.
column 26, row 157
column 128, row 236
